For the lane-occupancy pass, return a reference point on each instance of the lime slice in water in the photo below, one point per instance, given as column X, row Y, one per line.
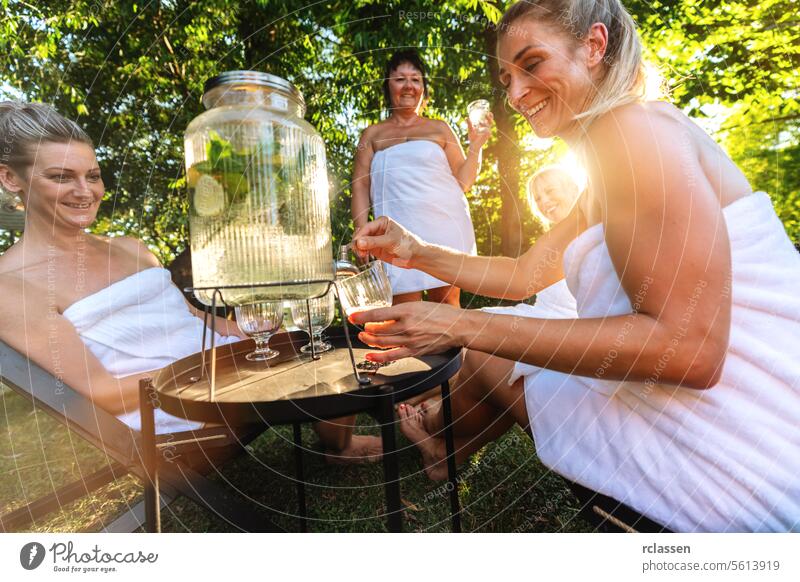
column 209, row 197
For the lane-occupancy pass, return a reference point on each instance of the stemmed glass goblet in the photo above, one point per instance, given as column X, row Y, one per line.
column 322, row 312
column 260, row 321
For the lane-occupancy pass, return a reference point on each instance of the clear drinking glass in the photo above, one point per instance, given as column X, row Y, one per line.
column 260, row 321
column 370, row 289
column 322, row 312
column 478, row 112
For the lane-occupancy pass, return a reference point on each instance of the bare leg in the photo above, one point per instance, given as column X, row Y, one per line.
column 450, row 295
column 484, row 407
column 342, row 446
column 480, row 394
column 434, row 450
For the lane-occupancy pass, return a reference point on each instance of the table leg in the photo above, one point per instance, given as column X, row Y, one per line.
column 391, row 469
column 152, row 506
column 452, row 474
column 298, row 473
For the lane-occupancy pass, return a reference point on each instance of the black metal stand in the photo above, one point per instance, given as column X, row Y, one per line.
column 208, row 494
column 184, row 479
column 300, row 479
column 152, row 508
column 384, row 415
column 212, row 309
column 452, row 481
column 391, row 469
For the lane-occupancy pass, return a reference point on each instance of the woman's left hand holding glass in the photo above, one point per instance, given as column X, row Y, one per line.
column 409, row 329
column 479, row 134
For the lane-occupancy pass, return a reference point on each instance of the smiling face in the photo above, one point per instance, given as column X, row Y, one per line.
column 406, row 87
column 63, row 186
column 549, row 75
column 554, row 193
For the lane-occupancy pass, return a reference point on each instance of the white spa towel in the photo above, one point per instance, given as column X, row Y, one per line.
column 723, row 459
column 553, row 302
column 412, row 184
column 138, row 324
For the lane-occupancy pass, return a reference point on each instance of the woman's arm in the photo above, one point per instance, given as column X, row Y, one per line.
column 667, row 238
column 33, row 328
column 465, row 168
column 360, row 203
column 505, row 277
column 501, row 277
column 223, row 326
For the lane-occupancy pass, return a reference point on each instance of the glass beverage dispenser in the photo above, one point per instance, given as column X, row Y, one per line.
column 258, row 188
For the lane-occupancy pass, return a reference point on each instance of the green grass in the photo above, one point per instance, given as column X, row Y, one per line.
column 503, row 488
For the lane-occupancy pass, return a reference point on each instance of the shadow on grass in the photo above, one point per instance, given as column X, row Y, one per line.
column 503, row 488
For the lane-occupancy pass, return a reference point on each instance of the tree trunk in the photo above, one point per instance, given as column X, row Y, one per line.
column 508, row 158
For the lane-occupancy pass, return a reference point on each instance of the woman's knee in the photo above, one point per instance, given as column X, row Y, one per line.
column 487, row 366
column 407, row 297
column 449, row 295
column 482, row 372
column 518, row 406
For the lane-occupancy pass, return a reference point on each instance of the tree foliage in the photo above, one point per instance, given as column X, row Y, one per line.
column 132, row 73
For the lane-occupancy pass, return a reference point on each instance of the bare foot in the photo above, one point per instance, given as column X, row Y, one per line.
column 362, row 449
column 432, row 449
column 432, row 415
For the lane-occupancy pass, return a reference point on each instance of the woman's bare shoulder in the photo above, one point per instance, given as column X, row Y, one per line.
column 18, row 263
column 442, row 127
column 639, row 131
column 370, row 136
column 22, row 294
column 371, row 132
column 134, row 247
column 10, row 280
column 10, row 260
column 635, row 118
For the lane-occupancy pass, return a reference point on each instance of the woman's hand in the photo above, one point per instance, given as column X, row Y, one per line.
column 386, row 240
column 410, row 329
column 479, row 135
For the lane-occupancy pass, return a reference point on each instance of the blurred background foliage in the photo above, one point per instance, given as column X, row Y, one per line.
column 132, row 74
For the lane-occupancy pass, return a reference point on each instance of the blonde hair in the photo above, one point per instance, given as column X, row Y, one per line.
column 625, row 76
column 23, row 126
column 562, row 173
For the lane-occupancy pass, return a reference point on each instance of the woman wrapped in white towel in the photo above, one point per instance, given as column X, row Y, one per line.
column 99, row 313
column 411, row 168
column 676, row 390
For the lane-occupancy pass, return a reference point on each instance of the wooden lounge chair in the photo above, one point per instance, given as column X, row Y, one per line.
column 184, row 458
column 609, row 515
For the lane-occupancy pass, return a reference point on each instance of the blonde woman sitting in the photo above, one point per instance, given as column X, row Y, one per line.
column 98, row 313
column 676, row 390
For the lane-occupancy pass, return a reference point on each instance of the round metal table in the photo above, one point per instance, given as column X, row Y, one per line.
column 293, row 389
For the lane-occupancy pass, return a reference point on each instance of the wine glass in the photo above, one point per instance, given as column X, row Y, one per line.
column 370, row 289
column 260, row 321
column 322, row 311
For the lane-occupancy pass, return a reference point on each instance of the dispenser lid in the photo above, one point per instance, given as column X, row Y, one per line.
column 257, row 78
